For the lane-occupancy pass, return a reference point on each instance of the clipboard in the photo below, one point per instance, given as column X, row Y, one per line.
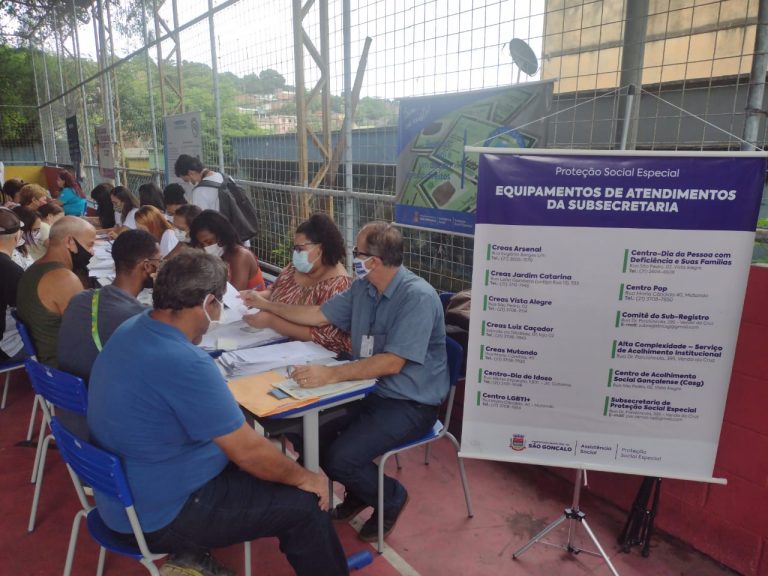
column 253, row 393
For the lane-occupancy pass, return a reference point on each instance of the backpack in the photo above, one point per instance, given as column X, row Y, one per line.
column 235, row 206
column 243, row 202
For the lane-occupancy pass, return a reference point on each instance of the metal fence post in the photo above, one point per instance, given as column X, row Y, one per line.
column 37, row 99
column 755, row 108
column 349, row 200
column 216, row 94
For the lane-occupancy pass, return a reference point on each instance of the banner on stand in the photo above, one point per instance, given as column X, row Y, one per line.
column 182, row 136
column 104, row 152
column 607, row 295
column 436, row 177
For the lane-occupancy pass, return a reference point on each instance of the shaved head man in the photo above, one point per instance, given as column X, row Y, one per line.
column 49, row 284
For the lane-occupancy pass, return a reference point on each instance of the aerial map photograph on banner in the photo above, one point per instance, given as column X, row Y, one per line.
column 436, row 178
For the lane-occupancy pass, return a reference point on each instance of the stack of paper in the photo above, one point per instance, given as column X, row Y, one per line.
column 238, row 335
column 255, row 360
column 101, row 264
column 289, row 386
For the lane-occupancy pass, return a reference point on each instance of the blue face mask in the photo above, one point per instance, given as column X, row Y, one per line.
column 358, row 265
column 301, row 261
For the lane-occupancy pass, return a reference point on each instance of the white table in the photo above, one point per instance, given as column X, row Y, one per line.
column 310, row 420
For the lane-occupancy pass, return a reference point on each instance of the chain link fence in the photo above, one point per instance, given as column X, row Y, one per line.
column 694, row 73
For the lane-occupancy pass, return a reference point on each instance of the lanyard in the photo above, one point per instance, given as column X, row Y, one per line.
column 95, row 320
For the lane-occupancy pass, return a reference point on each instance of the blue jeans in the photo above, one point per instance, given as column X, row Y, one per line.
column 235, row 507
column 372, row 426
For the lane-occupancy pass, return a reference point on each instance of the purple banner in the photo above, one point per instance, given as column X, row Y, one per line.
column 663, row 192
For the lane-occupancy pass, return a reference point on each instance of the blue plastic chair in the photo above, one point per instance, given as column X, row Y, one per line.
column 31, row 352
column 455, row 354
column 6, row 368
column 56, row 389
column 104, row 472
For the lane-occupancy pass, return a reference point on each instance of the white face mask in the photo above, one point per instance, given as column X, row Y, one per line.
column 215, row 250
column 358, row 265
column 181, row 235
column 301, row 261
column 211, row 322
column 36, row 236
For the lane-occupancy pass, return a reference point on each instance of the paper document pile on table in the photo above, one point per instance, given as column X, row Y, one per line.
column 255, row 360
column 289, row 386
column 238, row 335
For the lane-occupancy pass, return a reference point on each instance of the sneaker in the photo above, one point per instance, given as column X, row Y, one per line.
column 187, row 564
column 370, row 530
column 349, row 508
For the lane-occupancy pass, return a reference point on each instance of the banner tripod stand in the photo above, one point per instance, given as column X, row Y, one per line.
column 574, row 516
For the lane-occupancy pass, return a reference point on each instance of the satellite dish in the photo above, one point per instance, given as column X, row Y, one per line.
column 523, row 57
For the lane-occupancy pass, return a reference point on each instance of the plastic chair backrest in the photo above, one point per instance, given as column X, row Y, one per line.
column 59, row 388
column 445, row 297
column 26, row 339
column 455, row 357
column 455, row 353
column 95, row 467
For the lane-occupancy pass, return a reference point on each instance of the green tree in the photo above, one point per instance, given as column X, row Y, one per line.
column 18, row 117
column 271, row 80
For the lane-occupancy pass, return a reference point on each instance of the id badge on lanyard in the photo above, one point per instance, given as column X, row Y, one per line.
column 366, row 346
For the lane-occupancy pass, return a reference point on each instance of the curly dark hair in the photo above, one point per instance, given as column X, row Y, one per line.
column 131, row 248
column 186, row 279
column 217, row 225
column 321, row 229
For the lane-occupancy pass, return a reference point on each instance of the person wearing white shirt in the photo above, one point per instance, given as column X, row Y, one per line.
column 205, row 193
column 154, row 221
column 125, row 206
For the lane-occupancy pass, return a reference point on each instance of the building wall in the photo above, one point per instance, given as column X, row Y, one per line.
column 686, row 40
column 728, row 522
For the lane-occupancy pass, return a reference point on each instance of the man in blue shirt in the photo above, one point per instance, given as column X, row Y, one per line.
column 398, row 336
column 200, row 476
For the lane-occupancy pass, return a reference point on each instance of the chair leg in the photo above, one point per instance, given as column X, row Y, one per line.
column 73, row 542
column 247, row 554
column 283, row 444
column 397, row 461
column 32, row 418
column 5, row 389
column 102, row 558
column 427, row 450
column 38, row 452
column 38, row 483
column 380, row 508
column 149, row 565
column 462, row 473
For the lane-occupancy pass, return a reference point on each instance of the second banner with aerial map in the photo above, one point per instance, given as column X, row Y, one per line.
column 436, row 179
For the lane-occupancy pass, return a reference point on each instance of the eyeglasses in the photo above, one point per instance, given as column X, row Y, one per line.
column 356, row 253
column 300, row 247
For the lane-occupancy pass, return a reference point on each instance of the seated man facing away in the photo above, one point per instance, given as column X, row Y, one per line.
column 47, row 286
column 398, row 336
column 10, row 234
column 200, row 476
column 93, row 315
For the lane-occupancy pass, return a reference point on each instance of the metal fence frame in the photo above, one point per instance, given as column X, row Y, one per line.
column 470, row 26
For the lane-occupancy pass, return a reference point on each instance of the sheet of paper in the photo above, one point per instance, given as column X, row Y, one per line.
column 264, row 358
column 289, row 386
column 237, row 335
